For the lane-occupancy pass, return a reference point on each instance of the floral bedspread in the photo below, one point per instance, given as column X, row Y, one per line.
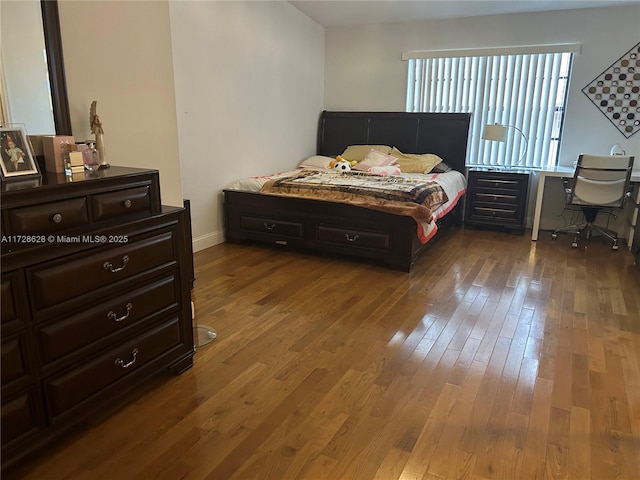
column 407, row 194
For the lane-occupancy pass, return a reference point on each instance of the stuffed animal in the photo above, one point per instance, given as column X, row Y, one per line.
column 341, row 164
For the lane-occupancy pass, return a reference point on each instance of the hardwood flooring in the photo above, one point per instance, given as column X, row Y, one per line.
column 496, row 358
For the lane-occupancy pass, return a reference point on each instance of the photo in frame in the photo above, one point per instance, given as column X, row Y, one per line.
column 16, row 158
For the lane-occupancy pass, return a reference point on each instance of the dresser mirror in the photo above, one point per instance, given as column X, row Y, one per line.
column 33, row 86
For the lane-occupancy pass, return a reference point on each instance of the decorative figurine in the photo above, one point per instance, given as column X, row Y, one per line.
column 96, row 129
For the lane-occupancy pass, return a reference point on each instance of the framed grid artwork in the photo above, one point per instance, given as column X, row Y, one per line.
column 616, row 92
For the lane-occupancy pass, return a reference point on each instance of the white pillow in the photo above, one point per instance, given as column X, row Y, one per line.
column 375, row 159
column 386, row 170
column 317, row 161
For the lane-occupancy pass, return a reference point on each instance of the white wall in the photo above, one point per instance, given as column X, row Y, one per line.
column 364, row 70
column 249, row 91
column 119, row 54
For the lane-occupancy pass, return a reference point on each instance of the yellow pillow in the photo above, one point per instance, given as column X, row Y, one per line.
column 415, row 163
column 358, row 152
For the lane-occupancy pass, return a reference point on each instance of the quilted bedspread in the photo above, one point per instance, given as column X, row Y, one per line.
column 406, row 194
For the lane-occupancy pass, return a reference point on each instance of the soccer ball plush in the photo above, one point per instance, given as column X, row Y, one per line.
column 342, row 166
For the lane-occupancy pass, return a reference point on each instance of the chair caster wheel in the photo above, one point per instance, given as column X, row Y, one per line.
column 614, row 247
column 554, row 235
column 574, row 245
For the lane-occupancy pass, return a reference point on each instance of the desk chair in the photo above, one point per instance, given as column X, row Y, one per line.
column 599, row 181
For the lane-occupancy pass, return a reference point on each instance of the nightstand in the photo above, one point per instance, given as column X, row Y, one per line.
column 497, row 199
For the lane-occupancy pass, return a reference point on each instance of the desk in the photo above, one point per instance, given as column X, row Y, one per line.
column 568, row 172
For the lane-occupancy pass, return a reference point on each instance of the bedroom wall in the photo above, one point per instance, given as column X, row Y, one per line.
column 249, row 91
column 364, row 71
column 119, row 54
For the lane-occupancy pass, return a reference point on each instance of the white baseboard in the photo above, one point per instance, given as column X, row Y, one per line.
column 208, row 240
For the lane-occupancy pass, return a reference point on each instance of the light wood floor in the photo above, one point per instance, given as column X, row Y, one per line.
column 496, row 358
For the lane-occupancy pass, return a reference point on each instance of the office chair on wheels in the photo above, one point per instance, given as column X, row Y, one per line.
column 599, row 181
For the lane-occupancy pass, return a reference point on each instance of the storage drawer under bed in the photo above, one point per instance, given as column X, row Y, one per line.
column 267, row 226
column 354, row 238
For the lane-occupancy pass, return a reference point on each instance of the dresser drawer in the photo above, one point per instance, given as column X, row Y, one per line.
column 356, row 238
column 70, row 389
column 71, row 334
column 84, row 273
column 12, row 298
column 13, row 359
column 120, row 203
column 19, row 416
column 271, row 227
column 50, row 217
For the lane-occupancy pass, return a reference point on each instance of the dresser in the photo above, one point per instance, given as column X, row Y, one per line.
column 497, row 199
column 95, row 299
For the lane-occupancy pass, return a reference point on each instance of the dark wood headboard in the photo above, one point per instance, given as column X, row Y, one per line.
column 444, row 134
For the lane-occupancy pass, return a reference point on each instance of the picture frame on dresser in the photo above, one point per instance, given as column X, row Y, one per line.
column 16, row 157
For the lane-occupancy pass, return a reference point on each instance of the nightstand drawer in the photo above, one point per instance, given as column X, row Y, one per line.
column 504, row 198
column 493, row 182
column 51, row 217
column 495, row 213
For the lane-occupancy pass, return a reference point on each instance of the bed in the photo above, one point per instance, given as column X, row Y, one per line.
column 347, row 229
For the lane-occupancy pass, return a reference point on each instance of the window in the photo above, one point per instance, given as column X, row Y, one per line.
column 527, row 91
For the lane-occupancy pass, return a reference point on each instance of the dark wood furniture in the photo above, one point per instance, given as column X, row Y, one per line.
column 95, row 299
column 346, row 229
column 497, row 199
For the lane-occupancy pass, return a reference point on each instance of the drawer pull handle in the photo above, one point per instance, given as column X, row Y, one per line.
column 114, row 316
column 57, row 218
column 109, row 265
column 351, row 238
column 269, row 227
column 127, row 203
column 120, row 363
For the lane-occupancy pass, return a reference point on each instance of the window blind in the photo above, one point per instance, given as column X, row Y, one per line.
column 527, row 91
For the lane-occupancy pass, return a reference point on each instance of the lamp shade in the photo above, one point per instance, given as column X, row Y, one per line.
column 495, row 132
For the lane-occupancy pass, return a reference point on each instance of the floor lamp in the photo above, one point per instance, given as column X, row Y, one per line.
column 497, row 132
column 202, row 334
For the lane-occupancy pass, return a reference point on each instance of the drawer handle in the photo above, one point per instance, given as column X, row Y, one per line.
column 351, row 238
column 127, row 203
column 120, row 362
column 269, row 227
column 57, row 218
column 109, row 265
column 114, row 316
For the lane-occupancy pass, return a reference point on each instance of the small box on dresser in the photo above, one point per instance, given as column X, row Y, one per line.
column 95, row 300
column 497, row 199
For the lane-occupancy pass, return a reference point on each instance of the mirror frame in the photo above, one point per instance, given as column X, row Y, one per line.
column 55, row 61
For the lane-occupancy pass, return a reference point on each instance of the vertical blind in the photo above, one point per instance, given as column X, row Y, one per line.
column 527, row 91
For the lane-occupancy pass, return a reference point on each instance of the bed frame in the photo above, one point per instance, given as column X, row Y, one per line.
column 346, row 229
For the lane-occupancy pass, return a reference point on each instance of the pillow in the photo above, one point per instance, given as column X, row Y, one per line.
column 441, row 168
column 386, row 170
column 375, row 159
column 317, row 161
column 358, row 152
column 415, row 163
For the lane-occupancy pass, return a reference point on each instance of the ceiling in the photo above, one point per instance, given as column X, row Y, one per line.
column 336, row 13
